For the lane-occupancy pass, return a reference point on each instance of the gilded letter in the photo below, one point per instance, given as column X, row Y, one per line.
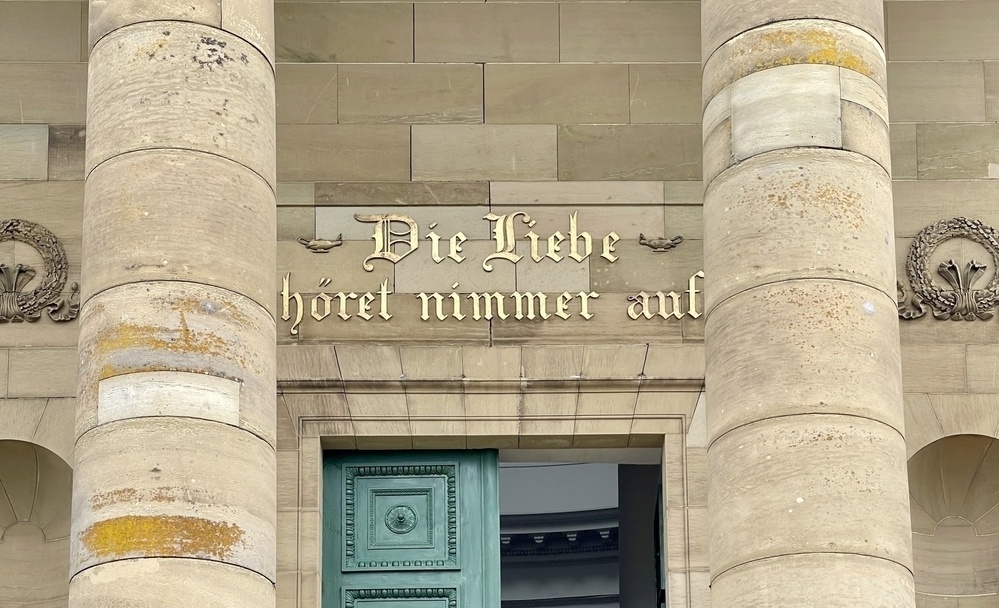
column 364, row 305
column 608, row 253
column 574, row 241
column 562, row 305
column 584, row 301
column 553, row 242
column 286, row 298
column 529, row 298
column 435, row 246
column 692, row 292
column 319, row 316
column 456, row 241
column 343, row 304
column 486, row 301
column 675, row 306
column 505, row 237
column 456, row 304
column 384, row 237
column 384, row 294
column 642, row 300
column 535, row 254
column 425, row 300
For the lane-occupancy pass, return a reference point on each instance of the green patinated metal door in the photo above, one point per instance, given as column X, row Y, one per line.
column 411, row 530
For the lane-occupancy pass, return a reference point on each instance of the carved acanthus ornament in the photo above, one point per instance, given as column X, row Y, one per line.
column 962, row 300
column 17, row 305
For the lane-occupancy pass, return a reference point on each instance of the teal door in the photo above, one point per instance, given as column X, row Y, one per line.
column 411, row 530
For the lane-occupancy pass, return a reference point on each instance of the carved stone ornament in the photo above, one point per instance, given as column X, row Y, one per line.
column 660, row 244
column 962, row 300
column 320, row 245
column 17, row 305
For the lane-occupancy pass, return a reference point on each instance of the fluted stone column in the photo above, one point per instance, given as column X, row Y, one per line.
column 174, row 485
column 808, row 499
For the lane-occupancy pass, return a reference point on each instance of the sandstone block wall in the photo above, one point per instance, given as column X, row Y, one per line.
column 450, row 110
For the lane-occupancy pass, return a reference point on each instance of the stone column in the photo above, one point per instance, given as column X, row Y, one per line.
column 174, row 485
column 807, row 491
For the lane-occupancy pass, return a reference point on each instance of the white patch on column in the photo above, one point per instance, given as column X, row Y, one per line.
column 168, row 393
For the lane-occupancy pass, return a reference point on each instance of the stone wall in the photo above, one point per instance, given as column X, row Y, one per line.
column 446, row 112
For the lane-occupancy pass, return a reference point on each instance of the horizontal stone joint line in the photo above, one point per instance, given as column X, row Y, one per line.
column 704, row 61
column 189, row 282
column 891, row 298
column 76, row 443
column 737, row 164
column 148, row 21
column 177, row 557
column 781, row 416
column 715, row 577
column 272, row 187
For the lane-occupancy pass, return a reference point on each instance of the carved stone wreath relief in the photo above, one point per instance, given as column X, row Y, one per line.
column 17, row 305
column 965, row 299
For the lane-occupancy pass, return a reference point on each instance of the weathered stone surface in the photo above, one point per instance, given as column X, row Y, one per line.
column 24, row 152
column 343, row 152
column 67, row 145
column 936, row 91
column 190, row 202
column 107, row 16
column 629, row 152
column 765, row 359
column 957, row 151
column 722, row 20
column 139, row 493
column 786, row 107
column 920, row 203
column 840, row 581
column 841, row 200
column 53, row 93
column 334, row 32
column 253, row 21
column 936, row 31
column 306, row 93
column 827, row 507
column 639, row 31
column 150, row 82
column 410, row 93
column 184, row 327
column 40, row 31
column 38, row 372
column 359, row 194
column 158, row 583
column 556, row 93
column 903, row 150
column 486, row 32
column 665, row 93
column 484, row 152
column 575, row 193
column 799, row 41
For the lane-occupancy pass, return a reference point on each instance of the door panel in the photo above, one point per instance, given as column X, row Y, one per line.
column 411, row 530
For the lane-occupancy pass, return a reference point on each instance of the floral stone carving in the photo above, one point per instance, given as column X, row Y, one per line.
column 965, row 299
column 17, row 305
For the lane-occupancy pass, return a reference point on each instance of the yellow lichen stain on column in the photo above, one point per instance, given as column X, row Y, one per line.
column 161, row 535
column 810, row 46
column 161, row 338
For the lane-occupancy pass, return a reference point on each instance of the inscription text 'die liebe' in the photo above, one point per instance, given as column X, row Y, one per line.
column 396, row 236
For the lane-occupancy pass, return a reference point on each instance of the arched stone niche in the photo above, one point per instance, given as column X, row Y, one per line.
column 954, row 497
column 35, row 513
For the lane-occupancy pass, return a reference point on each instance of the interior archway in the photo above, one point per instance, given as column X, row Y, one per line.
column 954, row 497
column 35, row 513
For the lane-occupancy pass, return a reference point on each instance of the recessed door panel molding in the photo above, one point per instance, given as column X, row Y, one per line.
column 411, row 530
